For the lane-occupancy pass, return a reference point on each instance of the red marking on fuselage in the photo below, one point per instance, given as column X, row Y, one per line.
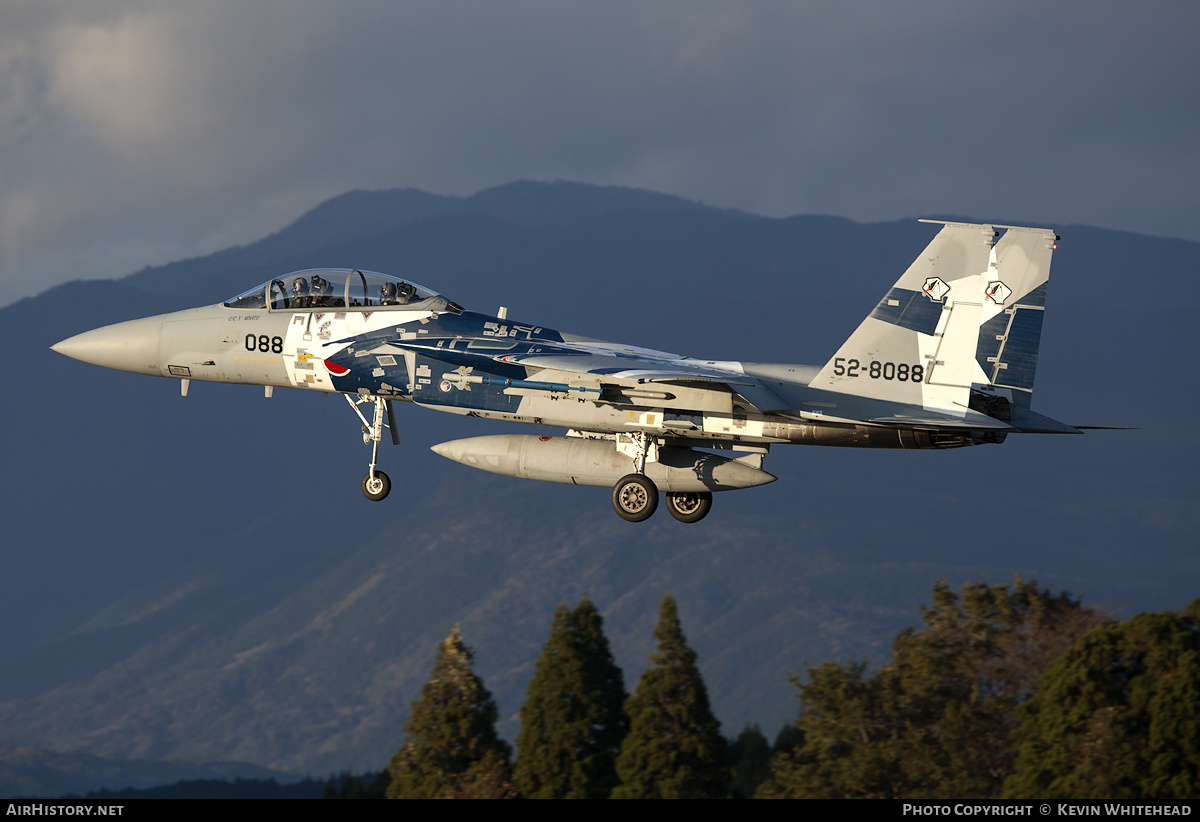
column 335, row 369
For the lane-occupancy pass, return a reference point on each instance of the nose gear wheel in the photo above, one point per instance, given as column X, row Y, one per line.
column 376, row 487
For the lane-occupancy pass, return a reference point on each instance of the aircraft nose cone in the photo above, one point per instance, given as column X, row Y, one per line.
column 450, row 450
column 129, row 346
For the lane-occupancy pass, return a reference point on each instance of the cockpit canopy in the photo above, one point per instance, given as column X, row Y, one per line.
column 341, row 288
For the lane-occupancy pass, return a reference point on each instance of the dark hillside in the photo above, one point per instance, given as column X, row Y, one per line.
column 181, row 580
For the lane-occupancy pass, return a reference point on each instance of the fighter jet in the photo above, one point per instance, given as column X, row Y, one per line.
column 945, row 360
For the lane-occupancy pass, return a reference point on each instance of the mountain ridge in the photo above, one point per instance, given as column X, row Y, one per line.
column 211, row 595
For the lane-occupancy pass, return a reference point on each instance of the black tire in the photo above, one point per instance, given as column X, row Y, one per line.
column 689, row 506
column 635, row 498
column 377, row 490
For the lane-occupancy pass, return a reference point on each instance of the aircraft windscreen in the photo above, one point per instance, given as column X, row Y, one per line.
column 340, row 288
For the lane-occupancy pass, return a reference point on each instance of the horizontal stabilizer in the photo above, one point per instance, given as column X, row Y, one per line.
column 977, row 422
column 1031, row 422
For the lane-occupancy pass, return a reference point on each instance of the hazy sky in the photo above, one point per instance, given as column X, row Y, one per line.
column 135, row 132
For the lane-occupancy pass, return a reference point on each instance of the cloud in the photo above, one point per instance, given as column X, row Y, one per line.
column 128, row 81
column 135, row 132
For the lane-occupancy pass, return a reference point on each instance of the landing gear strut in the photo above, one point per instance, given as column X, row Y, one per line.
column 375, row 485
column 635, row 496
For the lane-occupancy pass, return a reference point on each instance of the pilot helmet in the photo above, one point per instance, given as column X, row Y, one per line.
column 299, row 286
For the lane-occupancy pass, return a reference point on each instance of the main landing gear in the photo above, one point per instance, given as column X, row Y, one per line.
column 689, row 506
column 375, row 485
column 635, row 496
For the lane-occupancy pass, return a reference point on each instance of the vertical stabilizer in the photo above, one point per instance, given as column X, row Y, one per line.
column 966, row 316
column 1016, row 297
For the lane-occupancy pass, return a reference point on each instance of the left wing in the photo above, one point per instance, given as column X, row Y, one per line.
column 642, row 366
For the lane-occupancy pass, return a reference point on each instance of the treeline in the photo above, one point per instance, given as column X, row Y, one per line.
column 1003, row 692
column 216, row 789
column 582, row 736
column 1016, row 694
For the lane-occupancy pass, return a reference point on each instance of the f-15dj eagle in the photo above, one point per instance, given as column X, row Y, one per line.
column 946, row 359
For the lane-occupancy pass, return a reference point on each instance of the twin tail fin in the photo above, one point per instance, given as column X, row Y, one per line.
column 959, row 331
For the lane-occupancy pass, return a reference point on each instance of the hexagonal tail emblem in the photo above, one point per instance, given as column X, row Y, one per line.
column 997, row 292
column 935, row 289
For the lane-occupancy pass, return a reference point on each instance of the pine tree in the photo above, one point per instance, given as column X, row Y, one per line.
column 674, row 749
column 750, row 758
column 451, row 749
column 573, row 719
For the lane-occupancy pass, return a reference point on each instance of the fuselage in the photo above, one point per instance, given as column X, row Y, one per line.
column 445, row 358
column 946, row 359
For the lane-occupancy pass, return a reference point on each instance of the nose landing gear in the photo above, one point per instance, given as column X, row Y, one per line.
column 375, row 485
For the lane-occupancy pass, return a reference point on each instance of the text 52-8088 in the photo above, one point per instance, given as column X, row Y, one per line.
column 902, row 372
